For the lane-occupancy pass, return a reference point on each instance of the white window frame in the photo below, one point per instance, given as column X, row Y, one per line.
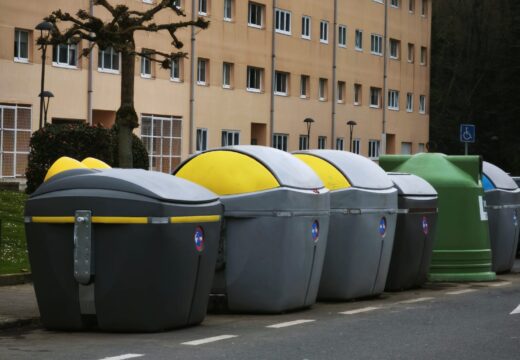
column 341, row 92
column 259, row 10
column 411, row 6
column 304, row 86
column 65, row 64
column 406, row 145
column 424, row 8
column 226, row 135
column 15, row 130
column 322, row 89
column 303, row 143
column 144, row 74
column 259, row 74
column 280, row 141
column 376, row 44
column 394, row 3
column 176, row 66
column 375, row 91
column 201, row 140
column 424, row 56
column 153, row 137
column 422, row 104
column 282, row 24
column 342, row 36
column 322, row 142
column 306, row 27
column 409, row 102
column 374, row 148
column 394, row 49
column 324, row 32
column 227, row 75
column 356, row 145
column 281, row 83
column 421, row 147
column 228, row 10
column 202, row 71
column 101, row 61
column 17, row 42
column 358, row 92
column 203, row 7
column 411, row 53
column 358, row 40
column 340, row 143
column 393, row 100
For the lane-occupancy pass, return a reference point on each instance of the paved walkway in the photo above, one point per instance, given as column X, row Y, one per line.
column 17, row 305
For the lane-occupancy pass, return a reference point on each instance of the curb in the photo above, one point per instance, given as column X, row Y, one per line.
column 11, row 323
column 15, row 279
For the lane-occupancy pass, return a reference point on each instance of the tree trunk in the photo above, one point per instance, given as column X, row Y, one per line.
column 126, row 117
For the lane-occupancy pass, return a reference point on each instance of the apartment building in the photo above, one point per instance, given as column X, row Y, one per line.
column 252, row 77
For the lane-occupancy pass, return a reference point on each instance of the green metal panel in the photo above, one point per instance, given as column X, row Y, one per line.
column 461, row 247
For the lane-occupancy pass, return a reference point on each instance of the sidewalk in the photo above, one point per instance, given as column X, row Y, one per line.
column 18, row 306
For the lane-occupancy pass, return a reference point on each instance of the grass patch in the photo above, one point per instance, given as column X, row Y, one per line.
column 13, row 247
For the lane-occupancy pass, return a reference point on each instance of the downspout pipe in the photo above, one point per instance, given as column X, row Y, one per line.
column 334, row 86
column 192, row 82
column 273, row 65
column 382, row 149
column 90, row 80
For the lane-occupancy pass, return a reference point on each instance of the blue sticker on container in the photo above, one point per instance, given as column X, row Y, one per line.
column 315, row 230
column 425, row 225
column 382, row 226
column 199, row 239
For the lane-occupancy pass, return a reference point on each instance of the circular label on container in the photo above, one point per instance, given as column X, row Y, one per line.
column 199, row 239
column 425, row 225
column 382, row 226
column 315, row 230
column 515, row 219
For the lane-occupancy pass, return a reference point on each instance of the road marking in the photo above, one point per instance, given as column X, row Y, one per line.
column 501, row 284
column 458, row 292
column 123, row 357
column 361, row 310
column 209, row 340
column 289, row 323
column 515, row 311
column 412, row 301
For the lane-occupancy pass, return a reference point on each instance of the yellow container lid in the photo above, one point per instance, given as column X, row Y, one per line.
column 93, row 163
column 331, row 177
column 64, row 163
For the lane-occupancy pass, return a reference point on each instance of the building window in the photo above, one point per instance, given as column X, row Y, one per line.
column 341, row 92
column 304, row 86
column 422, row 104
column 304, row 144
column 411, row 6
column 203, row 7
column 281, row 83
column 376, row 44
column 202, row 140
column 406, row 148
column 322, row 142
column 228, row 10
column 394, row 3
column 65, row 55
column 146, row 66
column 227, row 75
column 358, row 40
column 306, row 27
column 322, row 89
column 230, row 137
column 424, row 7
column 256, row 15
column 340, row 144
column 342, row 36
column 15, row 134
column 175, row 70
column 324, row 32
column 162, row 138
column 282, row 22
column 254, row 79
column 409, row 102
column 375, row 97
column 393, row 99
column 202, row 71
column 108, row 60
column 420, row 148
column 280, row 141
column 424, row 55
column 357, row 94
column 21, row 45
column 356, row 146
column 395, row 46
column 373, row 149
column 411, row 52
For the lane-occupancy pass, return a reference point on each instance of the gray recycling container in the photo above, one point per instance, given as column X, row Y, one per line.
column 502, row 197
column 276, row 220
column 414, row 234
column 126, row 250
column 362, row 225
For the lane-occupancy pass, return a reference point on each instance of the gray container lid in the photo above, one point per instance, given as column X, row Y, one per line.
column 499, row 177
column 136, row 181
column 360, row 171
column 409, row 184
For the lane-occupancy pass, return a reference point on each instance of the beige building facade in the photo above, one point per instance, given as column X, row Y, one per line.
column 252, row 77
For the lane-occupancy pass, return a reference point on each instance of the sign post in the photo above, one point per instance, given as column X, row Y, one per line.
column 467, row 135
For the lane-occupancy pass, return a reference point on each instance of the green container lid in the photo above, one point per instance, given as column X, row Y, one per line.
column 462, row 249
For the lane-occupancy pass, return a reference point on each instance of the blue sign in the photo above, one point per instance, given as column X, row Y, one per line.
column 467, row 133
column 382, row 226
column 315, row 231
column 425, row 225
column 199, row 239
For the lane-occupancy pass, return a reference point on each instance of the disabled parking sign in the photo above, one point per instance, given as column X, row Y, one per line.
column 382, row 226
column 425, row 225
column 315, row 230
column 199, row 239
column 467, row 133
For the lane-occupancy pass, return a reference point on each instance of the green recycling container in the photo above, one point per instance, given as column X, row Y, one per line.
column 462, row 250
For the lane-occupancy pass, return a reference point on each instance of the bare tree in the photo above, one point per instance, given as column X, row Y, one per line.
column 118, row 33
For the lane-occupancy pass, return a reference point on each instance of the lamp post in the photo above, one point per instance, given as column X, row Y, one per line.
column 45, row 95
column 351, row 125
column 308, row 122
column 45, row 28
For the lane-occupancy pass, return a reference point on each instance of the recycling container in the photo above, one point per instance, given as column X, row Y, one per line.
column 502, row 197
column 461, row 250
column 276, row 220
column 413, row 243
column 123, row 249
column 362, row 225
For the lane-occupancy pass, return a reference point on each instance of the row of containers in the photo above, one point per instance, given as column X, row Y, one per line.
column 259, row 230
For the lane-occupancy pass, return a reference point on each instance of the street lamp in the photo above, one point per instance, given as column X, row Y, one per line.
column 308, row 122
column 45, row 95
column 45, row 28
column 351, row 125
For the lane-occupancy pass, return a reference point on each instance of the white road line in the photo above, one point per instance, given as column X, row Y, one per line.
column 515, row 311
column 209, row 340
column 412, row 301
column 123, row 357
column 501, row 284
column 289, row 323
column 361, row 310
column 459, row 292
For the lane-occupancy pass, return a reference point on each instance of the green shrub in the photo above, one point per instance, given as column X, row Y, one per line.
column 77, row 141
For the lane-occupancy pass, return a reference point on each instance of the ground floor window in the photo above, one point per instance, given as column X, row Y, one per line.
column 230, row 137
column 15, row 134
column 161, row 136
column 280, row 141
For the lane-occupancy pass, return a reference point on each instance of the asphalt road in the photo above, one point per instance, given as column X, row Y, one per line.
column 448, row 321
